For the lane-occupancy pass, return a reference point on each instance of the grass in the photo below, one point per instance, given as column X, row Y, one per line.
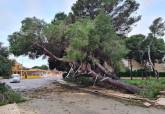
column 149, row 88
column 7, row 95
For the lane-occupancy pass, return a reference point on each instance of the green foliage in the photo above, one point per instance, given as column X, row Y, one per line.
column 79, row 43
column 59, row 16
column 56, row 38
column 3, row 88
column 158, row 27
column 54, row 32
column 135, row 73
column 5, row 67
column 5, row 63
column 135, row 42
column 9, row 96
column 43, row 67
column 76, row 41
column 112, row 47
column 21, row 43
column 150, row 88
column 81, row 80
column 86, row 37
column 140, row 42
column 3, row 51
column 120, row 10
column 156, row 44
column 138, row 47
column 32, row 25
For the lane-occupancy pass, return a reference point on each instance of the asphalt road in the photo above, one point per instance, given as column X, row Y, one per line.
column 30, row 84
column 56, row 99
column 51, row 98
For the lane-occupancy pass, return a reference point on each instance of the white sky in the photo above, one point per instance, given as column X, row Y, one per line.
column 12, row 12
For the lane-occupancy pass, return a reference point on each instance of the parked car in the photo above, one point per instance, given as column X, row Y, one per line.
column 15, row 78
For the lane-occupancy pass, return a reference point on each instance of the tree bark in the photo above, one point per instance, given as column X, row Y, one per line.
column 115, row 83
column 130, row 63
column 109, row 74
column 152, row 65
column 51, row 54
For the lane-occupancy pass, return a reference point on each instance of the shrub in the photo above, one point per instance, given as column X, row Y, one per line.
column 152, row 88
column 7, row 95
column 5, row 67
column 149, row 88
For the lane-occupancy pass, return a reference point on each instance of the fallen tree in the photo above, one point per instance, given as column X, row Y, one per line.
column 88, row 47
column 108, row 77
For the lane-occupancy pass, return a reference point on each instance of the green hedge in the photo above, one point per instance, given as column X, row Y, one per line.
column 138, row 73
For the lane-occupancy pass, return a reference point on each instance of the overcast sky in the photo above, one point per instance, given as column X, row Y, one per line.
column 13, row 11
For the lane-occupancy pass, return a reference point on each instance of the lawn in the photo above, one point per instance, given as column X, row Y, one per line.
column 149, row 88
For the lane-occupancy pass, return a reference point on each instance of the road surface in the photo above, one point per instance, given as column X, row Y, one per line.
column 30, row 84
column 48, row 97
column 55, row 99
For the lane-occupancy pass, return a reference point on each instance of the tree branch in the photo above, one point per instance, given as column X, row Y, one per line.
column 51, row 54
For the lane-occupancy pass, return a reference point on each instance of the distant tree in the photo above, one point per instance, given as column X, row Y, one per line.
column 155, row 43
column 148, row 49
column 134, row 44
column 3, row 51
column 120, row 10
column 43, row 67
column 5, row 63
column 157, row 30
column 59, row 16
column 154, row 40
column 158, row 27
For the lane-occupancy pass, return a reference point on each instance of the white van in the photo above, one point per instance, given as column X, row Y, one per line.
column 15, row 78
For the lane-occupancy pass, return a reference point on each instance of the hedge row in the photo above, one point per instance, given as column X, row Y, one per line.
column 139, row 73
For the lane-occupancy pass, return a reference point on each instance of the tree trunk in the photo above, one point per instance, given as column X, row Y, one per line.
column 120, row 85
column 152, row 65
column 115, row 83
column 47, row 52
column 130, row 62
column 109, row 74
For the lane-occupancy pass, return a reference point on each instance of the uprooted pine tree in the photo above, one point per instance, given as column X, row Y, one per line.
column 79, row 46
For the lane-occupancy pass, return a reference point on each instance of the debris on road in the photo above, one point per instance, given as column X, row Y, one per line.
column 160, row 102
column 147, row 104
